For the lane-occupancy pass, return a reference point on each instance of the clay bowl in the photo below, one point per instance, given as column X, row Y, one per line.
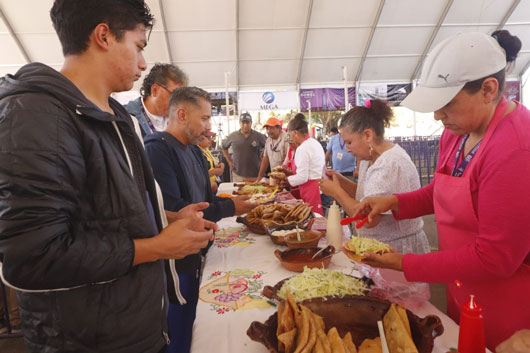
column 280, row 240
column 307, row 240
column 296, row 259
column 277, row 239
column 355, row 314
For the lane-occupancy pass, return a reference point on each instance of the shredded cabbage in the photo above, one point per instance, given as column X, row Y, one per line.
column 363, row 245
column 315, row 283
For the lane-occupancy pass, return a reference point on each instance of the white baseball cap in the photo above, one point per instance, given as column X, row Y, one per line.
column 450, row 65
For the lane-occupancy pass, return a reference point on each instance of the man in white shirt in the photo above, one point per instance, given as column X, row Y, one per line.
column 151, row 109
column 276, row 146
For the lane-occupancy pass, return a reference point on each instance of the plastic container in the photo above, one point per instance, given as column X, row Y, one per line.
column 471, row 337
column 333, row 227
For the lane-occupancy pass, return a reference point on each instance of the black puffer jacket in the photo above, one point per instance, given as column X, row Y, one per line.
column 69, row 211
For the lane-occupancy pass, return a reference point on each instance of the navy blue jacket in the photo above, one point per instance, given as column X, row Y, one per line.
column 162, row 150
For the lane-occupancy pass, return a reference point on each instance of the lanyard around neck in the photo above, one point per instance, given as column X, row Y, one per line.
column 274, row 148
column 341, row 144
column 148, row 119
column 459, row 171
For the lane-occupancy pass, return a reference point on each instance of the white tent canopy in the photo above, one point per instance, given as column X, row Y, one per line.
column 282, row 44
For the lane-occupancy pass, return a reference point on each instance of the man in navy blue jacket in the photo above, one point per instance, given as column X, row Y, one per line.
column 182, row 173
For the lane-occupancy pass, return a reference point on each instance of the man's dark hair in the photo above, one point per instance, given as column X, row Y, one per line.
column 188, row 95
column 74, row 20
column 334, row 130
column 161, row 74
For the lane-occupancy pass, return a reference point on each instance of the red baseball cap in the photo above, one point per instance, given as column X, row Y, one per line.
column 272, row 121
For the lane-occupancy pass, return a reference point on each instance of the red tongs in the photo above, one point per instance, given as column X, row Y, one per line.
column 362, row 219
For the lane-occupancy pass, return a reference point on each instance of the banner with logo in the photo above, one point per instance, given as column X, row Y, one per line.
column 394, row 94
column 512, row 90
column 325, row 99
column 314, row 96
column 269, row 100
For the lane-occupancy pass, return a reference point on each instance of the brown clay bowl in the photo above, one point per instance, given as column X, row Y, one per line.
column 307, row 240
column 280, row 240
column 296, row 259
column 355, row 314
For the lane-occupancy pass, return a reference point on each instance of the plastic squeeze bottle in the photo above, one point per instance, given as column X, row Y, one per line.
column 333, row 227
column 471, row 337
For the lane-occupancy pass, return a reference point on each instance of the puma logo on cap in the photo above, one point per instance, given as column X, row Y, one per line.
column 444, row 77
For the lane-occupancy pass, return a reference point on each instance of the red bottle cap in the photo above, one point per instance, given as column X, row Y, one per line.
column 471, row 307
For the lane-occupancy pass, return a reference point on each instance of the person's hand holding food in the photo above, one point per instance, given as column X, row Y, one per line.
column 390, row 260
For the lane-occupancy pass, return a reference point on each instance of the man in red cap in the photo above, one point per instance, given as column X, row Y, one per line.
column 276, row 146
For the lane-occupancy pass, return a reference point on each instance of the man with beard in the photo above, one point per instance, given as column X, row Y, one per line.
column 182, row 173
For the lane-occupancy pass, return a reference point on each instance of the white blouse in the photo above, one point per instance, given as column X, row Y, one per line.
column 393, row 172
column 310, row 160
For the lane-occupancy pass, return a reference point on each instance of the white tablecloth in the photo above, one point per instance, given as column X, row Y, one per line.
column 243, row 264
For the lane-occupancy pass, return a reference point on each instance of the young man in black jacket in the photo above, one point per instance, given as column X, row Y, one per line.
column 81, row 235
column 182, row 173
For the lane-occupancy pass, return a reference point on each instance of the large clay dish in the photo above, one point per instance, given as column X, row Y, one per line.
column 355, row 314
column 271, row 292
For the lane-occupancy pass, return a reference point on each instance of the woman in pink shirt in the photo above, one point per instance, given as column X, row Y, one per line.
column 481, row 189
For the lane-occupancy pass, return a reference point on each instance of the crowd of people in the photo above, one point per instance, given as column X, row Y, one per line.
column 107, row 211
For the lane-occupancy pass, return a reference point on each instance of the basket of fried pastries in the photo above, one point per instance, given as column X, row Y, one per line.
column 357, row 247
column 277, row 216
column 345, row 325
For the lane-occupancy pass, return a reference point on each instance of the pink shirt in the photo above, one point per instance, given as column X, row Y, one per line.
column 500, row 188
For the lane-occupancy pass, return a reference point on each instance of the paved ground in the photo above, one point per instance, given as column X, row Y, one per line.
column 15, row 345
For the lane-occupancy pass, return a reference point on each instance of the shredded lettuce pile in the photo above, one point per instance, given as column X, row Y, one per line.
column 315, row 283
column 364, row 245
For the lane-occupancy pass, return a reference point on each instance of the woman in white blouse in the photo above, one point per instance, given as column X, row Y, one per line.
column 385, row 168
column 309, row 161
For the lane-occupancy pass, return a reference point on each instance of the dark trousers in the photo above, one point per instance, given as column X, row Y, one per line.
column 181, row 317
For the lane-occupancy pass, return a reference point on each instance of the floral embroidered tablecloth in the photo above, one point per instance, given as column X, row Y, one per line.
column 233, row 236
column 230, row 292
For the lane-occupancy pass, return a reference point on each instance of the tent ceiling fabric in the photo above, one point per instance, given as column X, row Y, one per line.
column 282, row 44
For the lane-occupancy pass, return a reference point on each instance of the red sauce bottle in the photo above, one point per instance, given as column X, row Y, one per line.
column 471, row 336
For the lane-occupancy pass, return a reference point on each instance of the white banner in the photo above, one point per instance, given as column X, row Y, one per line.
column 269, row 100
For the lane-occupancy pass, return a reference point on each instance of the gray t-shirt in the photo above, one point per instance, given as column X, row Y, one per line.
column 246, row 152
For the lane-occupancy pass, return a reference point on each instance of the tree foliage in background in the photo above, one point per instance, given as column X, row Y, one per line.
column 328, row 119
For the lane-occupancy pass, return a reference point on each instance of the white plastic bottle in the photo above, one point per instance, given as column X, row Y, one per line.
column 333, row 227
